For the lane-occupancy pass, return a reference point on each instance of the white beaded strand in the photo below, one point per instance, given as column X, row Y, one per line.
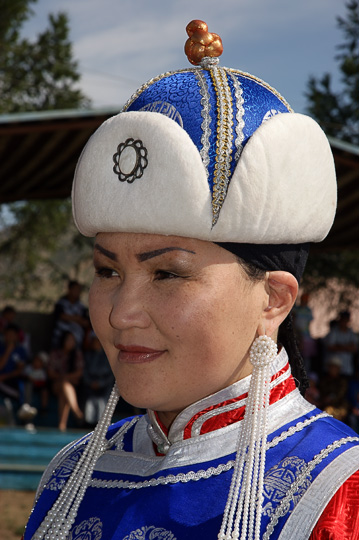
column 60, row 518
column 244, row 504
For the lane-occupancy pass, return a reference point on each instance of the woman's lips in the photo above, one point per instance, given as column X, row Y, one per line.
column 136, row 354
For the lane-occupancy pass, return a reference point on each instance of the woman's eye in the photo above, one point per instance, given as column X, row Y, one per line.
column 105, row 272
column 165, row 274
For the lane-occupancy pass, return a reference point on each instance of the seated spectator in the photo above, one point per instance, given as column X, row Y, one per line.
column 98, row 380
column 13, row 357
column 35, row 375
column 8, row 317
column 343, row 343
column 65, row 371
column 333, row 390
column 70, row 315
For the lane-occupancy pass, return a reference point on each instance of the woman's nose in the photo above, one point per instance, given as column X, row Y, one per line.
column 129, row 307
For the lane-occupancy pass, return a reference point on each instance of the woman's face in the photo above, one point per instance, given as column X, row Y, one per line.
column 176, row 317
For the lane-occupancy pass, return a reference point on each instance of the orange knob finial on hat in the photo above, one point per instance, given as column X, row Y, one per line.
column 201, row 43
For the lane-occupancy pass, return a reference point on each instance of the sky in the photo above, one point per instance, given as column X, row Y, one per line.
column 120, row 44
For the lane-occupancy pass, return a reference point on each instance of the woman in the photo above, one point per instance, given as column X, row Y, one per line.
column 203, row 195
column 65, row 371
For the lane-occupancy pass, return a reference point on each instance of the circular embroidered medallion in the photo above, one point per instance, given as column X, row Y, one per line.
column 278, row 481
column 130, row 160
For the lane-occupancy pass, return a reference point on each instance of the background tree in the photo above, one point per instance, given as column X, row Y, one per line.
column 40, row 74
column 338, row 114
column 40, row 248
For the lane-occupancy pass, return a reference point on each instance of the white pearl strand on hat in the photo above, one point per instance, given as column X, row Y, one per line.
column 62, row 515
column 244, row 503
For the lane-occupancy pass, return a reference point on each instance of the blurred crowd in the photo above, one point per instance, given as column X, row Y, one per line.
column 75, row 374
column 74, row 370
column 332, row 364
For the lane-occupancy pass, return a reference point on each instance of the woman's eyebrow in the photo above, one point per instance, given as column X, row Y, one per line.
column 110, row 254
column 156, row 252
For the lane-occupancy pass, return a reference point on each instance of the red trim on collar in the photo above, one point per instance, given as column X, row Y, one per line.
column 227, row 418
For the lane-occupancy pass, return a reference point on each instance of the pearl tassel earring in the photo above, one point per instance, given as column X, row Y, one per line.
column 242, row 514
column 60, row 518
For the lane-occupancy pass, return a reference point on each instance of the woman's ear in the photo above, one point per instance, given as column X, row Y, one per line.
column 282, row 289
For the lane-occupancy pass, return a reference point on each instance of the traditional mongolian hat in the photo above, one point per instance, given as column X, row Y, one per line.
column 208, row 152
column 217, row 154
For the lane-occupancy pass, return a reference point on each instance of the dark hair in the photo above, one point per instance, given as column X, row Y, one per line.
column 252, row 271
column 8, row 309
column 13, row 327
column 73, row 283
column 286, row 332
column 287, row 338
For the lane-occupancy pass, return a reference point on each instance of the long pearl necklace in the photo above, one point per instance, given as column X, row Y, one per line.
column 60, row 518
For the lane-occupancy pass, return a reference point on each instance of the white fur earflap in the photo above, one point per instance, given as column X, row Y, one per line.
column 172, row 195
column 283, row 189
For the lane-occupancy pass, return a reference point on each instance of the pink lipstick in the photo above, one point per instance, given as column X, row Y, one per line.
column 136, row 354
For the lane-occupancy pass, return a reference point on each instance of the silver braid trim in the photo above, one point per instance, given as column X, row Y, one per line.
column 164, row 480
column 239, row 115
column 294, row 429
column 194, row 476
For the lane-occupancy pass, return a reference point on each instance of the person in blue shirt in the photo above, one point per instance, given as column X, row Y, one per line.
column 13, row 358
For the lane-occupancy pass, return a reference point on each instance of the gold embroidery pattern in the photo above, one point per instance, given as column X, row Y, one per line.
column 224, row 140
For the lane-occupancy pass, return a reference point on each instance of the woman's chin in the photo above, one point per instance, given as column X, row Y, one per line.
column 140, row 400
column 137, row 399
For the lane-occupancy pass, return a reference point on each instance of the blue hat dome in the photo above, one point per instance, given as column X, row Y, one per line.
column 212, row 105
